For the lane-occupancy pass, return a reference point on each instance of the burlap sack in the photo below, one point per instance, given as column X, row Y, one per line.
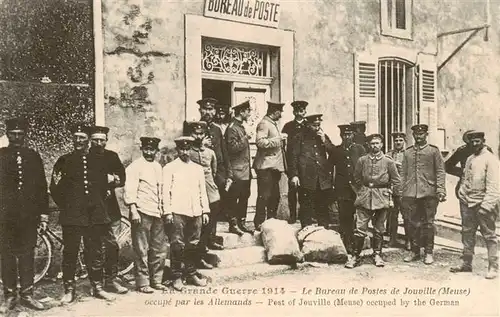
column 280, row 242
column 321, row 245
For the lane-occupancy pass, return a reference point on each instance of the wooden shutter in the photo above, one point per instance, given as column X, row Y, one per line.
column 366, row 91
column 427, row 97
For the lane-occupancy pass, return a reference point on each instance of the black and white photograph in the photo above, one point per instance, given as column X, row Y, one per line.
column 249, row 158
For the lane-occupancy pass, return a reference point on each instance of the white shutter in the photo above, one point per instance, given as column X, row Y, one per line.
column 366, row 91
column 427, row 85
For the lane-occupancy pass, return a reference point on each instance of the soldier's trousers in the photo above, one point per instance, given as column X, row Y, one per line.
column 237, row 199
column 315, row 203
column 208, row 232
column 150, row 248
column 112, row 250
column 347, row 212
column 363, row 217
column 17, row 248
column 268, row 195
column 421, row 213
column 293, row 194
column 93, row 242
column 471, row 220
column 184, row 244
column 392, row 219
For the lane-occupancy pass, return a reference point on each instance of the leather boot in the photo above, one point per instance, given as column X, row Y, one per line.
column 243, row 227
column 202, row 264
column 30, row 302
column 69, row 293
column 8, row 304
column 414, row 255
column 377, row 252
column 353, row 261
column 233, row 227
column 428, row 259
column 466, row 265
column 98, row 292
column 492, row 268
column 196, row 281
column 111, row 285
column 178, row 285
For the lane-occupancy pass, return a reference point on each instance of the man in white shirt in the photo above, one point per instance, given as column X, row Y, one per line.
column 142, row 195
column 479, row 195
column 185, row 206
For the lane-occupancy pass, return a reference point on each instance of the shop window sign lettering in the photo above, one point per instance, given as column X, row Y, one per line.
column 260, row 12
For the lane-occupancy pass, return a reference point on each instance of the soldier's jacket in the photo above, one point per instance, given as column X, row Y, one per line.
column 79, row 186
column 219, row 147
column 375, row 177
column 23, row 187
column 397, row 157
column 291, row 128
column 309, row 160
column 344, row 159
column 270, row 153
column 423, row 172
column 114, row 166
column 360, row 138
column 238, row 150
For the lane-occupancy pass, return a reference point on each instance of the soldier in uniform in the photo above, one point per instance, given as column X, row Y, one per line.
column 359, row 134
column 291, row 129
column 185, row 206
column 238, row 148
column 479, row 196
column 375, row 177
column 423, row 187
column 24, row 205
column 205, row 157
column 269, row 163
column 79, row 187
column 310, row 170
column 222, row 117
column 344, row 159
column 396, row 154
column 116, row 179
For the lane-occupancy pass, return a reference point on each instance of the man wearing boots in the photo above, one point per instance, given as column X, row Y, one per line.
column 142, row 196
column 375, row 176
column 396, row 154
column 346, row 156
column 479, row 195
column 185, row 206
column 79, row 186
column 24, row 205
column 116, row 178
column 291, row 129
column 238, row 149
column 205, row 157
column 310, row 170
column 269, row 164
column 423, row 187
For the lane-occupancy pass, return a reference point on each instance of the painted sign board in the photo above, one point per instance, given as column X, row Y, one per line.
column 259, row 12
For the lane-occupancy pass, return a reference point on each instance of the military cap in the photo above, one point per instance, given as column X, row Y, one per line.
column 222, row 107
column 465, row 136
column 420, row 128
column 398, row 135
column 150, row 142
column 99, row 131
column 16, row 124
column 184, row 142
column 358, row 123
column 193, row 126
column 475, row 135
column 373, row 136
column 207, row 102
column 242, row 106
column 314, row 118
column 299, row 104
column 80, row 128
column 275, row 106
column 344, row 128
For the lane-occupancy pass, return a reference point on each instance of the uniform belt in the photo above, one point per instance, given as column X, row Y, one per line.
column 372, row 185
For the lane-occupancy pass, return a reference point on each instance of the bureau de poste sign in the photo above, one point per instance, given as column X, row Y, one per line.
column 260, row 12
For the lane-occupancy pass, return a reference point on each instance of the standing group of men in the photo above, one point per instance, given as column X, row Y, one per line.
column 210, row 178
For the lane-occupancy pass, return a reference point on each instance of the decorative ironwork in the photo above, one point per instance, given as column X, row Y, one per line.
column 234, row 60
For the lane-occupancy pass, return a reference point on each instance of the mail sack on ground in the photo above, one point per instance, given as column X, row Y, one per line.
column 321, row 245
column 280, row 242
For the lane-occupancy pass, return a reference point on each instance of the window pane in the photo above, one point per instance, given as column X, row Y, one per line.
column 389, row 13
column 400, row 14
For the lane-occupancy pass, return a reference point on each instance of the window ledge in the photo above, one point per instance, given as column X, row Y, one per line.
column 400, row 34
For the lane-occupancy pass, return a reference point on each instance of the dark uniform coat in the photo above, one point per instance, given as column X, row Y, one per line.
column 114, row 166
column 79, row 187
column 23, row 187
column 345, row 160
column 238, row 150
column 291, row 128
column 219, row 147
column 309, row 160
